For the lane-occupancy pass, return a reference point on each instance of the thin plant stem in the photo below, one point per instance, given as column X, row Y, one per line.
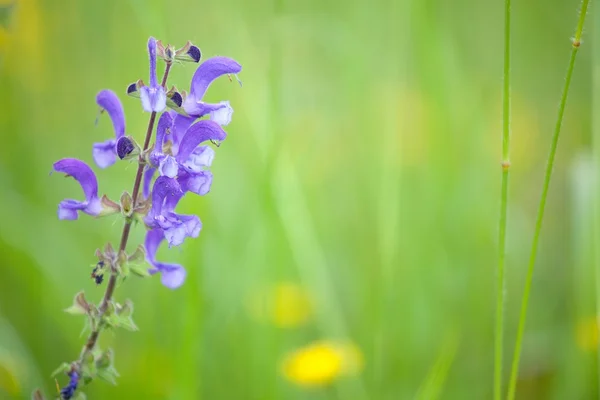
column 112, row 283
column 540, row 215
column 500, row 283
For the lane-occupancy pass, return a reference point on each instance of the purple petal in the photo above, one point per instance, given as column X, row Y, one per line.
column 222, row 116
column 172, row 275
column 200, row 158
column 163, row 187
column 177, row 227
column 200, row 132
column 109, row 102
column 152, row 56
column 168, row 167
column 197, row 108
column 180, row 126
column 82, row 174
column 210, row 70
column 196, row 182
column 148, row 175
column 152, row 241
column 153, row 98
column 67, row 209
column 104, row 153
column 165, row 122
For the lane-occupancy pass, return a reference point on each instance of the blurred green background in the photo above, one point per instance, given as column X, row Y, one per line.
column 356, row 197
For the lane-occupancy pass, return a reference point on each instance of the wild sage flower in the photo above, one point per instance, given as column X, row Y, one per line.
column 105, row 153
column 83, row 174
column 181, row 156
column 206, row 73
column 153, row 97
column 172, row 275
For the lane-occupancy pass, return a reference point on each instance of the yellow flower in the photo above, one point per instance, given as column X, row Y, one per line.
column 287, row 305
column 320, row 363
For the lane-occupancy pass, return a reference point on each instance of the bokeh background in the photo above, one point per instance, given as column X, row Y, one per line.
column 354, row 205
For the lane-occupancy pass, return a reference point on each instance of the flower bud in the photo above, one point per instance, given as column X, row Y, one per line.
column 127, row 148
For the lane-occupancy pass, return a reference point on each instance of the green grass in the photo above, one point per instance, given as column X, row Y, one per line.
column 361, row 163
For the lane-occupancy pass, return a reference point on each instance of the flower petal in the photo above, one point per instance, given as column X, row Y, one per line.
column 168, row 167
column 152, row 56
column 177, row 227
column 200, row 132
column 164, row 187
column 181, row 124
column 197, row 108
column 154, row 99
column 148, row 175
column 104, row 153
column 172, row 275
column 82, row 174
column 109, row 102
column 210, row 70
column 196, row 182
column 67, row 209
column 200, row 158
column 165, row 122
column 222, row 116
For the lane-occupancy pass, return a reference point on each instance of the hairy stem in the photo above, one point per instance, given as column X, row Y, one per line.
column 110, row 287
column 500, row 280
column 540, row 215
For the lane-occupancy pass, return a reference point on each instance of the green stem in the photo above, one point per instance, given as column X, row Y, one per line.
column 540, row 215
column 500, row 293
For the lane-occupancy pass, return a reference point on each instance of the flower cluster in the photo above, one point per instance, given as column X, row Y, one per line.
column 175, row 164
column 180, row 155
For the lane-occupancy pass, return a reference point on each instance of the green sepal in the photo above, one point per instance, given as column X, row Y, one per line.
column 133, row 89
column 106, row 369
column 122, row 317
column 175, row 101
column 88, row 368
column 188, row 53
column 137, row 262
column 62, row 369
column 80, row 305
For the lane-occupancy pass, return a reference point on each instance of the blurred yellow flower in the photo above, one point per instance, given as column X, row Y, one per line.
column 586, row 334
column 320, row 363
column 286, row 304
column 9, row 383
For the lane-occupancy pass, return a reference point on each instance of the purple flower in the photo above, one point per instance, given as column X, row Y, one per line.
column 153, row 97
column 68, row 391
column 166, row 193
column 105, row 153
column 206, row 73
column 172, row 275
column 190, row 160
column 67, row 209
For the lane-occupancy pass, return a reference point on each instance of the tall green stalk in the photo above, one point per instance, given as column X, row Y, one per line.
column 540, row 215
column 499, row 342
